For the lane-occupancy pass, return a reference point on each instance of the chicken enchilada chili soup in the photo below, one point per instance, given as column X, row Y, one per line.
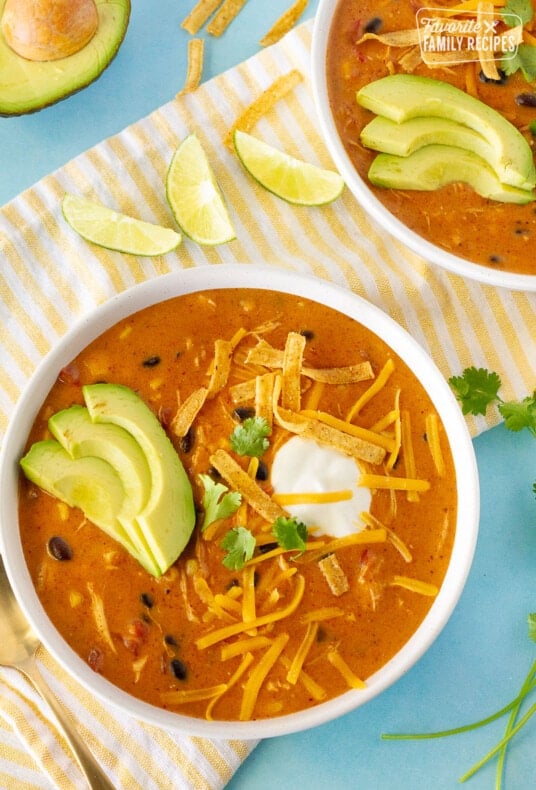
column 325, row 507
column 372, row 40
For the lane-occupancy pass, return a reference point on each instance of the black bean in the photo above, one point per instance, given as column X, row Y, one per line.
column 187, row 441
column 178, row 669
column 373, row 25
column 308, row 334
column 265, row 547
column 526, row 99
column 170, row 640
column 147, row 600
column 243, row 413
column 151, row 362
column 262, row 471
column 59, row 549
column 503, row 78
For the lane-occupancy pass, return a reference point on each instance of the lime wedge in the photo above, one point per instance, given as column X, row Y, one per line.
column 115, row 231
column 292, row 179
column 194, row 195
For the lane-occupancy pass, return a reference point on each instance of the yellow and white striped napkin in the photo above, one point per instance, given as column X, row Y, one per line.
column 49, row 277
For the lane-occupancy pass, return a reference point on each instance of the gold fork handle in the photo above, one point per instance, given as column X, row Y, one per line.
column 96, row 778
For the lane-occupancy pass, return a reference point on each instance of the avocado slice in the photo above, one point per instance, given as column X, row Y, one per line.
column 168, row 518
column 402, row 139
column 401, row 97
column 27, row 86
column 434, row 166
column 90, row 484
column 81, row 437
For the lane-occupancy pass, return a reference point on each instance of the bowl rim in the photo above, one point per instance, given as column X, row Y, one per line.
column 368, row 201
column 267, row 278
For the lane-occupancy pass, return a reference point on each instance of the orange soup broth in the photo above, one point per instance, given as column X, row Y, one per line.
column 455, row 218
column 164, row 352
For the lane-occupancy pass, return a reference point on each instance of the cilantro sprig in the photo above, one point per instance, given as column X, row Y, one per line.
column 249, row 438
column 290, row 533
column 479, row 388
column 240, row 543
column 513, row 726
column 524, row 59
column 218, row 501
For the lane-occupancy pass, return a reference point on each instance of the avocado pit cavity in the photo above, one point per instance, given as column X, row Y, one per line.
column 45, row 30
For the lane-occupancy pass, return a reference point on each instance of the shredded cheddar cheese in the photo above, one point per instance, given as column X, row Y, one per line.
column 312, row 497
column 415, row 585
column 394, row 483
column 301, row 654
column 378, row 384
column 409, row 454
column 434, row 443
column 244, row 646
column 336, row 660
column 213, row 637
column 258, row 675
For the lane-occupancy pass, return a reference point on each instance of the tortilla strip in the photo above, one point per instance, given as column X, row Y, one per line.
column 349, row 445
column 334, row 574
column 199, row 15
column 264, row 389
column 269, row 357
column 239, row 480
column 194, row 72
column 266, row 355
column 263, row 104
column 188, row 411
column 369, row 435
column 228, row 11
column 398, row 38
column 343, row 375
column 221, row 367
column 243, row 392
column 286, row 22
column 291, row 376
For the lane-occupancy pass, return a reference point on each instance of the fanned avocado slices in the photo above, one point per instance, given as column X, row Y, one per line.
column 28, row 85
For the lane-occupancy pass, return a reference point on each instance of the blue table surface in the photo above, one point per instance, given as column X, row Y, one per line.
column 478, row 662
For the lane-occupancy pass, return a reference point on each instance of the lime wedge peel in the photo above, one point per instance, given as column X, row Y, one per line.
column 115, row 231
column 195, row 197
column 289, row 178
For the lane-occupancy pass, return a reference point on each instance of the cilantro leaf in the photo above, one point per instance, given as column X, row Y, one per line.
column 524, row 59
column 515, row 9
column 532, row 626
column 290, row 533
column 476, row 389
column 249, row 438
column 218, row 501
column 239, row 544
column 519, row 415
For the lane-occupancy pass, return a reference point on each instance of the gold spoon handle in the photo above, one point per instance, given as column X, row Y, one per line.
column 89, row 766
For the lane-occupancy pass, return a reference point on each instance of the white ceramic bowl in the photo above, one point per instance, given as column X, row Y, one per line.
column 190, row 281
column 361, row 191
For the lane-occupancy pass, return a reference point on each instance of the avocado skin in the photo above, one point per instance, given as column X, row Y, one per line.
column 29, row 86
column 400, row 97
column 435, row 166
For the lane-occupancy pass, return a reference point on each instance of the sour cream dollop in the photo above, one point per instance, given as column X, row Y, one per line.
column 304, row 466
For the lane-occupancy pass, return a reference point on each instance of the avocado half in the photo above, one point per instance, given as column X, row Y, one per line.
column 27, row 86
